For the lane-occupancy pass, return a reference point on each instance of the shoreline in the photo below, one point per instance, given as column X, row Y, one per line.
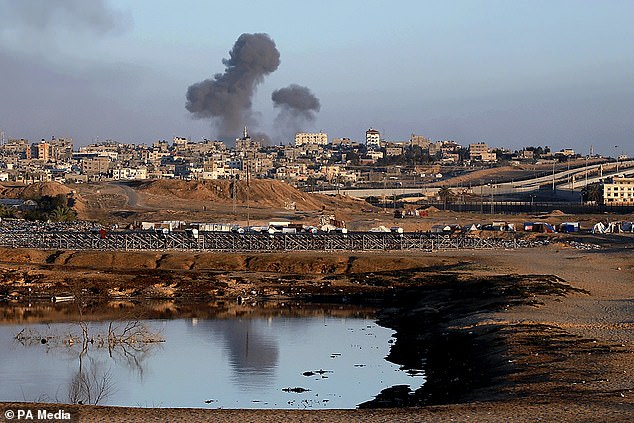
column 572, row 352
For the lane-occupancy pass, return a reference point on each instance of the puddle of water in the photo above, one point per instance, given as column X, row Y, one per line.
column 256, row 362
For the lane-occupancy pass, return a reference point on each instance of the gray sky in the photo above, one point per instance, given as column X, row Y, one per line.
column 555, row 73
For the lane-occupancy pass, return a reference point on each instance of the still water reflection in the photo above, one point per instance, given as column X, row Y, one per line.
column 256, row 362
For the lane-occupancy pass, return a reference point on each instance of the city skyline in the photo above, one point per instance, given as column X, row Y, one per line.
column 512, row 75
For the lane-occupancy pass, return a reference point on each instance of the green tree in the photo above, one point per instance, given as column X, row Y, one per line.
column 62, row 214
column 593, row 192
column 352, row 158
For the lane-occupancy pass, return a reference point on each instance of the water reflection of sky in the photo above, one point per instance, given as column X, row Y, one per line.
column 230, row 363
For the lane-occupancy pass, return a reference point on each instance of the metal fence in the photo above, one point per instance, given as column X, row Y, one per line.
column 215, row 241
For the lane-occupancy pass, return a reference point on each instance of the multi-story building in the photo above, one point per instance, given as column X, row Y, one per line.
column 129, row 173
column 61, row 149
column 620, row 191
column 40, row 151
column 95, row 165
column 420, row 141
column 304, row 138
column 480, row 152
column 372, row 139
column 394, row 149
column 180, row 143
column 15, row 147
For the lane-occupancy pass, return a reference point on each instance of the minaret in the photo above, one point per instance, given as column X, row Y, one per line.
column 245, row 135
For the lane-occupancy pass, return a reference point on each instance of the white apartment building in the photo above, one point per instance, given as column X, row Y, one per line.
column 372, row 139
column 304, row 138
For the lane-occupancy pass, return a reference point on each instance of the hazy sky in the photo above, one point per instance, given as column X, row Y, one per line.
column 511, row 73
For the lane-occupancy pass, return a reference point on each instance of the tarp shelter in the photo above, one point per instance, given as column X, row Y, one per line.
column 468, row 228
column 598, row 228
column 569, row 227
column 541, row 227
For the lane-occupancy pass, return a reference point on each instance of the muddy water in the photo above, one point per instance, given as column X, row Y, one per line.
column 258, row 361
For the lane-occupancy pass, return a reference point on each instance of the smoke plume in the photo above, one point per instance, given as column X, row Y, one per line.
column 298, row 107
column 226, row 98
column 42, row 15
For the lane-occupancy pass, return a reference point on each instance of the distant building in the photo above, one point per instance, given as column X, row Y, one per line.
column 61, row 149
column 180, row 142
column 303, row 138
column 246, row 144
column 372, row 139
column 342, row 142
column 129, row 173
column 480, row 152
column 40, row 151
column 566, row 152
column 420, row 141
column 526, row 155
column 619, row 192
column 394, row 148
column 96, row 165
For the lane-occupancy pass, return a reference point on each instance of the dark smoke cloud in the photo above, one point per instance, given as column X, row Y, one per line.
column 40, row 15
column 298, row 107
column 263, row 138
column 226, row 98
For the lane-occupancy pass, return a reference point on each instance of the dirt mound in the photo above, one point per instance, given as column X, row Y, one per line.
column 431, row 209
column 260, row 193
column 34, row 190
column 556, row 213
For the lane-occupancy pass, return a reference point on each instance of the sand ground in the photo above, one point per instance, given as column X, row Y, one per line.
column 581, row 386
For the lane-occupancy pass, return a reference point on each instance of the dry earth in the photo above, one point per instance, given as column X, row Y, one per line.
column 573, row 354
column 580, row 372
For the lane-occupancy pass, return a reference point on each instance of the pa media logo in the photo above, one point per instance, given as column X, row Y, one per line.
column 37, row 414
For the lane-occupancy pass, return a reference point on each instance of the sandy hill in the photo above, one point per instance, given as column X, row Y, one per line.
column 259, row 192
column 34, row 190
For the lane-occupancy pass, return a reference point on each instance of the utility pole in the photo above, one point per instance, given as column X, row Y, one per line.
column 492, row 205
column 481, row 199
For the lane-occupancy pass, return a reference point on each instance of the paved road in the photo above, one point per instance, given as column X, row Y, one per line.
column 562, row 179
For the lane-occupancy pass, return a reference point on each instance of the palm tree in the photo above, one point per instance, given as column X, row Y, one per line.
column 593, row 192
column 62, row 214
column 445, row 194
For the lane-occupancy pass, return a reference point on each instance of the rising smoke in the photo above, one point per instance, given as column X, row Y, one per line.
column 298, row 107
column 226, row 98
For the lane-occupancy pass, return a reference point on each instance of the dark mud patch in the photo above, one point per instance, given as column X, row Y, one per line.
column 437, row 332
